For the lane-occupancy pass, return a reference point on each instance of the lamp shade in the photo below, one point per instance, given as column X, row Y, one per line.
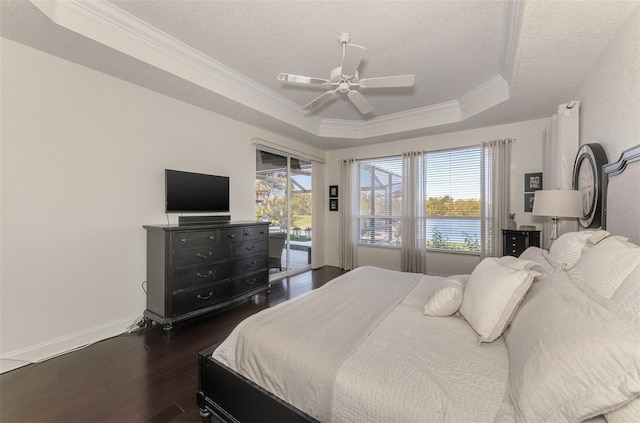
column 557, row 203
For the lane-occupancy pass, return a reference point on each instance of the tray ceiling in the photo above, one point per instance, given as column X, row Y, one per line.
column 476, row 64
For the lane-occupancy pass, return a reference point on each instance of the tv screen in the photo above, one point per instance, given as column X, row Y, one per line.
column 195, row 192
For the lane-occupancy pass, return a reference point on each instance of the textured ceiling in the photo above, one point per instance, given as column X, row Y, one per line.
column 540, row 53
column 439, row 42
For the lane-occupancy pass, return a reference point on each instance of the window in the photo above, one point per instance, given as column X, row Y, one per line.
column 380, row 201
column 452, row 209
column 453, row 199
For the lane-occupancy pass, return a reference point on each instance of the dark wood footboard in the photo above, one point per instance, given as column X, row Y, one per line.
column 233, row 398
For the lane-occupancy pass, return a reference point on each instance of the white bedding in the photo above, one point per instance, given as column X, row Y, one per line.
column 406, row 367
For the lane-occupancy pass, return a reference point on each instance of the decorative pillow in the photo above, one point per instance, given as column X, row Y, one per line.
column 545, row 264
column 516, row 263
column 625, row 414
column 628, row 294
column 492, row 295
column 606, row 265
column 572, row 354
column 568, row 247
column 446, row 298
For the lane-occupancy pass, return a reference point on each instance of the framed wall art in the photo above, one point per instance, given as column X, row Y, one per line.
column 528, row 202
column 532, row 182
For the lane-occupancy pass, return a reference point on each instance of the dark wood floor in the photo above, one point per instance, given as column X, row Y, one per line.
column 145, row 376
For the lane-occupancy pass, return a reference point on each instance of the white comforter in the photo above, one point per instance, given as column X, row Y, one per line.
column 404, row 367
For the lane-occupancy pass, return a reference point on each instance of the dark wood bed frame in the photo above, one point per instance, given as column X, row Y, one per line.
column 233, row 398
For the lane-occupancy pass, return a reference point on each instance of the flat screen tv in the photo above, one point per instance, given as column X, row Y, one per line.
column 188, row 192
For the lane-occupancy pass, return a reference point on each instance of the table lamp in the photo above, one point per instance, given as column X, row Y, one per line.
column 556, row 204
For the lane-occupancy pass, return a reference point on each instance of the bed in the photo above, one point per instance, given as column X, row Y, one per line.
column 549, row 336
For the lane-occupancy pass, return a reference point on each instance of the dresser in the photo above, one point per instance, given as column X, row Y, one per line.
column 515, row 242
column 197, row 269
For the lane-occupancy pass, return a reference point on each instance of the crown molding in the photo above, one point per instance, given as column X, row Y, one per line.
column 107, row 24
column 485, row 96
column 513, row 12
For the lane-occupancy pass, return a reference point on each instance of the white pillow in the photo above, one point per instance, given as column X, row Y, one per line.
column 516, row 263
column 446, row 298
column 545, row 263
column 626, row 414
column 628, row 294
column 568, row 247
column 572, row 354
column 492, row 295
column 606, row 265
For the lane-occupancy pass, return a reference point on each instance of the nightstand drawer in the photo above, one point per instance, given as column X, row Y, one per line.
column 514, row 242
column 187, row 301
column 190, row 277
column 193, row 256
column 189, row 239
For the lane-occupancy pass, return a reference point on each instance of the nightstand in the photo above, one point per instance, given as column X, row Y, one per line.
column 515, row 242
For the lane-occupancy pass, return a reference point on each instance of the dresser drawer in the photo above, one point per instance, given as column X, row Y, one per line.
column 251, row 264
column 189, row 239
column 194, row 256
column 229, row 235
column 191, row 277
column 187, row 301
column 249, row 248
column 250, row 282
column 255, row 232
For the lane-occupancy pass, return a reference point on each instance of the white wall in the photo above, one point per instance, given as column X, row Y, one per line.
column 526, row 158
column 610, row 94
column 83, row 159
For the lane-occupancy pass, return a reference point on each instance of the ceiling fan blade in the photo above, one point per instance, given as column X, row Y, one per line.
column 388, row 81
column 318, row 101
column 287, row 77
column 360, row 102
column 353, row 54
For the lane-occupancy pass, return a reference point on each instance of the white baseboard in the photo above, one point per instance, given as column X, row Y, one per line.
column 62, row 345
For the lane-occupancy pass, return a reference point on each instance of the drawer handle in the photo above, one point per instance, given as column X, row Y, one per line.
column 200, row 297
column 212, row 237
column 183, row 240
column 250, row 247
column 232, row 236
column 262, row 232
column 204, row 276
column 204, row 257
column 254, row 280
column 253, row 263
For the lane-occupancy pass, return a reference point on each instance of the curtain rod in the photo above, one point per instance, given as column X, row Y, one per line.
column 512, row 140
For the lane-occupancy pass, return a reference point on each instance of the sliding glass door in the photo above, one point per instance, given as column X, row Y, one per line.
column 283, row 198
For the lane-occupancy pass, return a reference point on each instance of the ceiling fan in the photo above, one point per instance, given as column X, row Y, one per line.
column 346, row 77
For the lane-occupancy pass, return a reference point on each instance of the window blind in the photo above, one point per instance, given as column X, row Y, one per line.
column 453, row 199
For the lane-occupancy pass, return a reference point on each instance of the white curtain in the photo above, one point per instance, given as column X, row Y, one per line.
column 561, row 143
column 414, row 233
column 495, row 181
column 347, row 207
